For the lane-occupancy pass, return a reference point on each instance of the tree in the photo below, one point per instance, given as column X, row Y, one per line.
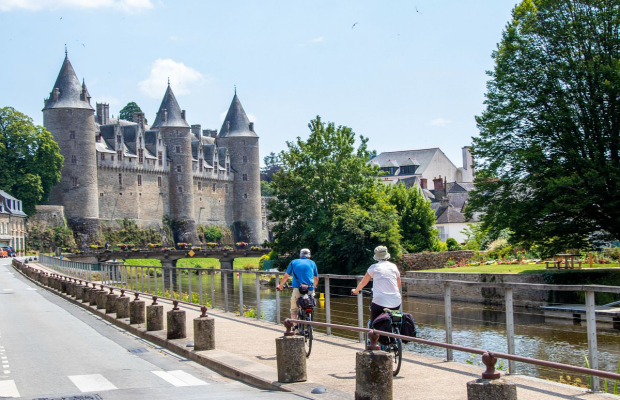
column 128, row 111
column 416, row 218
column 272, row 165
column 30, row 160
column 329, row 201
column 548, row 155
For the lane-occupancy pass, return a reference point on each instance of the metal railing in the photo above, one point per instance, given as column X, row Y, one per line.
column 176, row 283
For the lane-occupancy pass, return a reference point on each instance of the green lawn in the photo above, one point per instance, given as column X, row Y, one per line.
column 243, row 263
column 510, row 269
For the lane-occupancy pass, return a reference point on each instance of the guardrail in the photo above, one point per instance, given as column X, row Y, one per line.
column 162, row 280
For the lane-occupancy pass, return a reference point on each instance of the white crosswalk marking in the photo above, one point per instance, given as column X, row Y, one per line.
column 179, row 378
column 8, row 389
column 91, row 383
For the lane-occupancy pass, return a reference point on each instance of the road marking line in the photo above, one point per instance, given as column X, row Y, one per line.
column 8, row 389
column 179, row 378
column 91, row 383
column 6, row 372
column 30, row 288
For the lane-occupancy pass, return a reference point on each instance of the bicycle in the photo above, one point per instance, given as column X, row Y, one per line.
column 305, row 314
column 394, row 346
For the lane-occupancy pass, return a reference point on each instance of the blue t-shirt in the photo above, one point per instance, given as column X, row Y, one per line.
column 304, row 272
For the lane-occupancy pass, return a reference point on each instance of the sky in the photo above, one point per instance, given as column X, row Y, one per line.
column 407, row 74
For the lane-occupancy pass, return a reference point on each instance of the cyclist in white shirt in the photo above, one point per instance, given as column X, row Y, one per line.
column 386, row 284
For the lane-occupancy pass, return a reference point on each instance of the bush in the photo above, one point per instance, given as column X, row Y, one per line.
column 210, row 233
column 612, row 253
column 452, row 245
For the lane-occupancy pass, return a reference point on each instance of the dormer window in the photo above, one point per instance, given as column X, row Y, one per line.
column 71, row 134
column 118, row 139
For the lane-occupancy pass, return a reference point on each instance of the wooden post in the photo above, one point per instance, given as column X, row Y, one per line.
column 591, row 260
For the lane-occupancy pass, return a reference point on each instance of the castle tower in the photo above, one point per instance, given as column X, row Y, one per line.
column 238, row 136
column 170, row 121
column 69, row 116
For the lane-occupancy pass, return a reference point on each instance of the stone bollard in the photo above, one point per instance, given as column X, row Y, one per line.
column 176, row 322
column 70, row 289
column 491, row 386
column 122, row 305
column 86, row 294
column 79, row 291
column 291, row 356
column 136, row 310
column 63, row 285
column 102, row 299
column 373, row 372
column 154, row 316
column 93, row 296
column 204, row 331
column 110, row 306
column 44, row 280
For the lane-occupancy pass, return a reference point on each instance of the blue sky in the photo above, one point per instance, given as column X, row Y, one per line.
column 408, row 75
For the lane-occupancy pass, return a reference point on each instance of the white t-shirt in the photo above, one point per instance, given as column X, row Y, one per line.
column 385, row 290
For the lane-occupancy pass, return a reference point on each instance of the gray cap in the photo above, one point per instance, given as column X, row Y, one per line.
column 304, row 253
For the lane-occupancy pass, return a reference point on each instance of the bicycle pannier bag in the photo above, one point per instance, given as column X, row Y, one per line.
column 303, row 288
column 408, row 326
column 383, row 323
column 306, row 301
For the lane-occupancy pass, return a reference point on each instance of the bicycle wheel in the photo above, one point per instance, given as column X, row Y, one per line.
column 397, row 351
column 308, row 335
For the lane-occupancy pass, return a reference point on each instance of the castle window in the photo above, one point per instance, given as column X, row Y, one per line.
column 180, row 189
column 245, row 177
column 140, row 155
column 118, row 139
column 245, row 159
column 120, row 179
column 100, row 194
column 139, row 180
column 73, row 159
column 74, row 182
column 102, row 156
column 112, row 157
column 71, row 134
column 244, row 142
column 227, row 168
column 120, row 155
column 199, row 186
column 159, row 181
column 245, row 195
column 159, row 141
column 177, row 149
column 179, row 168
column 214, row 188
column 160, row 158
column 226, row 187
column 200, row 166
column 70, row 112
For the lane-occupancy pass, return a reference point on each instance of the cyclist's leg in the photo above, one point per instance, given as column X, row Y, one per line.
column 294, row 309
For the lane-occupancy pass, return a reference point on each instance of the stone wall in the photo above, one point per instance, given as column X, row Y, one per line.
column 48, row 216
column 487, row 295
column 421, row 261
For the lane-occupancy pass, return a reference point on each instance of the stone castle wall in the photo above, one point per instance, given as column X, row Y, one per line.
column 422, row 261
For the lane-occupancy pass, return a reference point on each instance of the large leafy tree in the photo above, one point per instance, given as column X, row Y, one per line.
column 127, row 112
column 30, row 160
column 329, row 201
column 416, row 218
column 548, row 155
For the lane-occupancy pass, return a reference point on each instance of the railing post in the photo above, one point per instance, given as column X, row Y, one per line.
column 240, row 293
column 360, row 313
column 592, row 341
column 142, row 279
column 328, row 311
column 201, row 298
column 278, row 311
column 90, row 272
column 212, row 273
column 258, row 296
column 447, row 296
column 148, row 279
column 189, row 285
column 225, row 278
column 510, row 329
column 155, row 273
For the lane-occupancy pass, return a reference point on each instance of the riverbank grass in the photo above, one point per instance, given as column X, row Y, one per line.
column 512, row 269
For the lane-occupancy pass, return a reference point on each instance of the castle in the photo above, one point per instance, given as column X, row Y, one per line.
column 117, row 169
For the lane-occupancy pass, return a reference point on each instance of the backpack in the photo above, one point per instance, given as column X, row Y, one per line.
column 383, row 323
column 306, row 301
column 407, row 327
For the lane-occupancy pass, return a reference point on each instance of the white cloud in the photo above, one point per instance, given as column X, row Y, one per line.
column 316, row 40
column 36, row 5
column 173, row 38
column 182, row 78
column 440, row 122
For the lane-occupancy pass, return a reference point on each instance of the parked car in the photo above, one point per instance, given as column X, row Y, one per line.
column 7, row 251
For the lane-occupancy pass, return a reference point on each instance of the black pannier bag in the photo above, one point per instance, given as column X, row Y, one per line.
column 383, row 323
column 306, row 301
column 408, row 328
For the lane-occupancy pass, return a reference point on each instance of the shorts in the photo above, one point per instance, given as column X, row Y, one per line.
column 295, row 296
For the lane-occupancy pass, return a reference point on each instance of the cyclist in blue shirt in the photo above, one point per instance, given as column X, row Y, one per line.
column 304, row 272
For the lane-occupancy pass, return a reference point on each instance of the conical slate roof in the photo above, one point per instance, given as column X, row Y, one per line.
column 70, row 92
column 236, row 122
column 174, row 118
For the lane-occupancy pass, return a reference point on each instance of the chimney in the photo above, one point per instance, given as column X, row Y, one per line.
column 439, row 188
column 196, row 130
column 468, row 163
column 183, row 114
column 138, row 118
column 251, row 126
column 103, row 113
column 423, row 183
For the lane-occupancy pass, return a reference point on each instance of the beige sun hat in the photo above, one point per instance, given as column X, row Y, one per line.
column 381, row 253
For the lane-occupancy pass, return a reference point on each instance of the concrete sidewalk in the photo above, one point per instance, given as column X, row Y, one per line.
column 245, row 349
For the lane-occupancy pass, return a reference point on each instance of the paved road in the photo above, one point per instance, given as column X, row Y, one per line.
column 50, row 349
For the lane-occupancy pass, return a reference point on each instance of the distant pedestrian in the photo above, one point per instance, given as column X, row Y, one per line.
column 106, row 245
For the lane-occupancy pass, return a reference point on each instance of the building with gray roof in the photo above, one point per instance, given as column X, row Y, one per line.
column 12, row 223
